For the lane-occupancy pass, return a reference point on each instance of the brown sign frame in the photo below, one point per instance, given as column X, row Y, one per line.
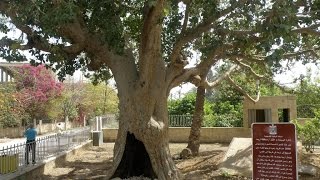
column 274, row 151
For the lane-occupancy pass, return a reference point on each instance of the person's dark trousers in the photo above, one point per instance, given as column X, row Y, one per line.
column 30, row 146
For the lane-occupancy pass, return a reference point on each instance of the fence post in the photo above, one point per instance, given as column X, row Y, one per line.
column 40, row 126
column 97, row 121
column 68, row 136
column 23, row 153
column 66, row 123
column 59, row 142
column 35, row 123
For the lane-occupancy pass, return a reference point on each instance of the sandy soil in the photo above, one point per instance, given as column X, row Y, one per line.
column 93, row 163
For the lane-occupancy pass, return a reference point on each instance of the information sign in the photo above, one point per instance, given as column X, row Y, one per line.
column 274, row 151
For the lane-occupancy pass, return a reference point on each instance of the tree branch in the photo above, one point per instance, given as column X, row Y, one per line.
column 242, row 91
column 201, row 28
column 213, row 84
column 294, row 54
column 312, row 30
column 239, row 33
column 176, row 74
column 75, row 31
column 185, row 74
column 186, row 18
column 150, row 42
column 71, row 31
column 281, row 87
column 213, row 56
column 298, row 53
column 248, row 67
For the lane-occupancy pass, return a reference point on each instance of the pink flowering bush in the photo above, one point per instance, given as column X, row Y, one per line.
column 36, row 86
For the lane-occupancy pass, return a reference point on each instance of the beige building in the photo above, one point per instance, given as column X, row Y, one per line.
column 6, row 73
column 269, row 109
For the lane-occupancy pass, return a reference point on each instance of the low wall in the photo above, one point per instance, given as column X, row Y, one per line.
column 303, row 121
column 46, row 128
column 12, row 132
column 16, row 132
column 181, row 134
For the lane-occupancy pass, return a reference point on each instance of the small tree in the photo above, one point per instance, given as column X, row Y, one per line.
column 36, row 86
column 99, row 99
column 309, row 133
column 79, row 99
column 11, row 113
column 308, row 96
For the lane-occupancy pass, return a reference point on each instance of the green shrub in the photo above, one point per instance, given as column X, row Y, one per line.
column 309, row 133
column 224, row 120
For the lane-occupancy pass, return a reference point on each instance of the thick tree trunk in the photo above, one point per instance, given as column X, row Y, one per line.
column 142, row 147
column 194, row 137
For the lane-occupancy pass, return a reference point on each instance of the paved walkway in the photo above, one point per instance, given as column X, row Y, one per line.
column 7, row 142
column 64, row 144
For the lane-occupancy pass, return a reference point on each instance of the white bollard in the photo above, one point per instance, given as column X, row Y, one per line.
column 97, row 124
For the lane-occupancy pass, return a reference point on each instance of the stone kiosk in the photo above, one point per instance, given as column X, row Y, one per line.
column 269, row 109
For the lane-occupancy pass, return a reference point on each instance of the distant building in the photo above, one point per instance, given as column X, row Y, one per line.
column 7, row 71
column 269, row 109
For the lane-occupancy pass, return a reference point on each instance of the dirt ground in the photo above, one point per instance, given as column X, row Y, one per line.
column 94, row 162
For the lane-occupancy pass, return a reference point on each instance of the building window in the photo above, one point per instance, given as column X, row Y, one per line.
column 259, row 115
column 284, row 115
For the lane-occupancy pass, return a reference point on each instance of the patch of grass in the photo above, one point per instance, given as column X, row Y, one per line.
column 225, row 174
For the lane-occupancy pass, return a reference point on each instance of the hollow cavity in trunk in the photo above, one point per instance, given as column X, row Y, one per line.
column 135, row 160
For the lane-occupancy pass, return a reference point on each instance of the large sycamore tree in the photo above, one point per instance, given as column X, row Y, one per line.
column 146, row 45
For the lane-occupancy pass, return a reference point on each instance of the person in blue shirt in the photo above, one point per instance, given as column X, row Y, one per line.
column 30, row 134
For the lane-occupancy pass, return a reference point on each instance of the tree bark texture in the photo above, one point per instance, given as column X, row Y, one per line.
column 142, row 147
column 143, row 124
column 194, row 137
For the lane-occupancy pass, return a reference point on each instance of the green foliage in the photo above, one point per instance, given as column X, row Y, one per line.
column 63, row 106
column 256, row 33
column 99, row 100
column 251, row 27
column 224, row 114
column 216, row 114
column 186, row 105
column 226, row 102
column 11, row 113
column 84, row 98
column 308, row 96
column 309, row 133
column 224, row 120
column 225, row 174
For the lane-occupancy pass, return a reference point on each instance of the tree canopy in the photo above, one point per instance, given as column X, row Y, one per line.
column 69, row 35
